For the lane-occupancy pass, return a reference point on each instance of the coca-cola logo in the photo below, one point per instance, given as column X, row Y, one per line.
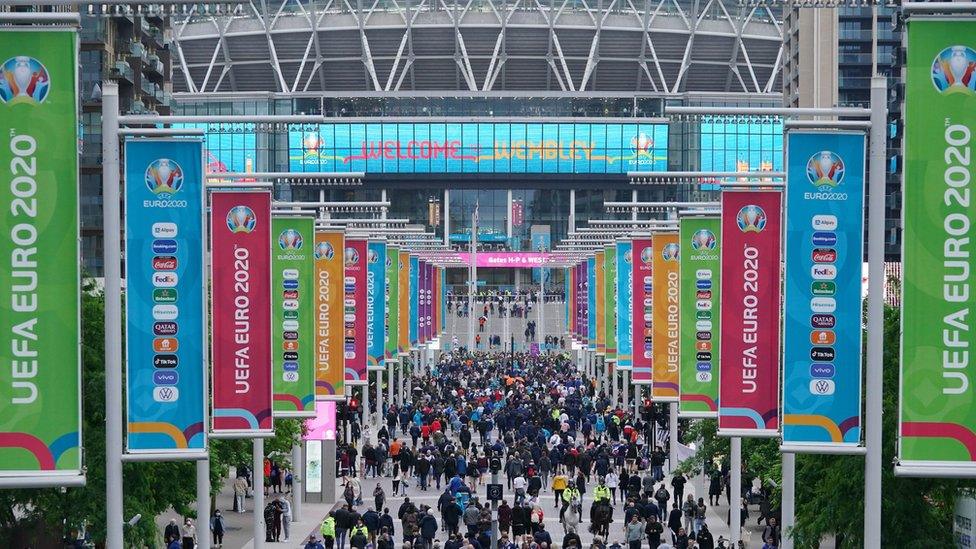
column 824, row 255
column 164, row 263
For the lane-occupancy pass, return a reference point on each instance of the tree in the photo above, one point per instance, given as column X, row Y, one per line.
column 40, row 517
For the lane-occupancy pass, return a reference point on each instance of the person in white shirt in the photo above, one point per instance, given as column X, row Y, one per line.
column 612, row 481
column 518, row 484
column 285, row 516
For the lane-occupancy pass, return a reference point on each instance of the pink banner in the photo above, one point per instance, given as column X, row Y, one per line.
column 643, row 254
column 240, row 266
column 423, row 280
column 509, row 259
column 750, row 307
column 354, row 312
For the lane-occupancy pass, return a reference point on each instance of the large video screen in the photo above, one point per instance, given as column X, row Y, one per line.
column 734, row 144
column 478, row 148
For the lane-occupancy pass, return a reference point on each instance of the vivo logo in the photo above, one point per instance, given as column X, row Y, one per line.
column 290, row 366
column 703, row 366
column 166, row 378
column 822, row 369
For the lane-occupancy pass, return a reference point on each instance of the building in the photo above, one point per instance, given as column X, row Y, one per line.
column 134, row 51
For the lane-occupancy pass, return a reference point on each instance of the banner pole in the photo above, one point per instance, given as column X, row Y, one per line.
column 257, row 474
column 735, row 492
column 111, row 226
column 875, row 325
column 297, row 490
column 788, row 504
column 367, row 413
column 673, row 437
column 379, row 399
column 203, row 504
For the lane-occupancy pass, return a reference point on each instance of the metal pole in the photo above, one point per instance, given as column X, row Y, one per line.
column 447, row 217
column 625, row 389
column 542, row 304
column 875, row 348
column 673, row 435
column 494, row 508
column 257, row 474
column 401, row 399
column 367, row 413
column 297, row 489
column 111, row 228
column 473, row 277
column 735, row 492
column 379, row 401
column 390, row 379
column 203, row 503
column 789, row 494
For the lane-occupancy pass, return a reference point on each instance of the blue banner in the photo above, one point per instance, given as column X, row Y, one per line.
column 413, row 278
column 375, row 305
column 165, row 331
column 487, row 147
column 822, row 325
column 591, row 303
column 625, row 301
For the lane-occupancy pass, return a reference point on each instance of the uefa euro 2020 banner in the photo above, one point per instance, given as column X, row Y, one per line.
column 165, row 337
column 625, row 297
column 750, row 310
column 240, row 276
column 601, row 303
column 329, row 329
column 610, row 308
column 40, row 416
column 937, row 433
column 293, row 315
column 642, row 310
column 413, row 270
column 422, row 282
column 701, row 327
column 822, row 292
column 591, row 311
column 403, row 308
column 392, row 301
column 667, row 254
column 375, row 304
column 354, row 312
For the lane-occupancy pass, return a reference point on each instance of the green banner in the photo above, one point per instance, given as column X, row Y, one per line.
column 610, row 295
column 938, row 397
column 699, row 315
column 293, row 316
column 40, row 419
column 392, row 301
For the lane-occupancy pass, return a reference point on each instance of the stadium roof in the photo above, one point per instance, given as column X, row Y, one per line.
column 662, row 46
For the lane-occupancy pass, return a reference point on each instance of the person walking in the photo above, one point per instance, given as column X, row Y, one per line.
column 635, row 531
column 328, row 530
column 285, row 516
column 240, row 493
column 688, row 510
column 189, row 534
column 217, row 528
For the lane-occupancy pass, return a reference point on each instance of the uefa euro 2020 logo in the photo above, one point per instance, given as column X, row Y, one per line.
column 670, row 252
column 629, row 256
column 290, row 239
column 351, row 257
column 324, row 250
column 953, row 70
column 241, row 219
column 703, row 239
column 751, row 219
column 372, row 256
column 825, row 168
column 23, row 79
column 647, row 255
column 641, row 143
column 164, row 177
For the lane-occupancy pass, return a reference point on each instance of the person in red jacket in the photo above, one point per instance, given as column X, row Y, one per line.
column 425, row 433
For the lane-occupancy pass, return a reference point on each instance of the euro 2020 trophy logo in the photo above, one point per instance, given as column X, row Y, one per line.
column 825, row 169
column 290, row 239
column 751, row 219
column 23, row 79
column 670, row 252
column 164, row 177
column 241, row 219
column 323, row 250
column 953, row 70
column 703, row 239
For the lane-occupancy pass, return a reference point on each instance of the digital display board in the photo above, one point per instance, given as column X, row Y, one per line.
column 734, row 144
column 478, row 148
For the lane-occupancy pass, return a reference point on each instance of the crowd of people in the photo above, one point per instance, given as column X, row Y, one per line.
column 540, row 424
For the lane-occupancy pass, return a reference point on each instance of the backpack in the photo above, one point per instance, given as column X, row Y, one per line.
column 662, row 494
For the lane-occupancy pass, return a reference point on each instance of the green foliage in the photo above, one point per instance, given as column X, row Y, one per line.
column 150, row 488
